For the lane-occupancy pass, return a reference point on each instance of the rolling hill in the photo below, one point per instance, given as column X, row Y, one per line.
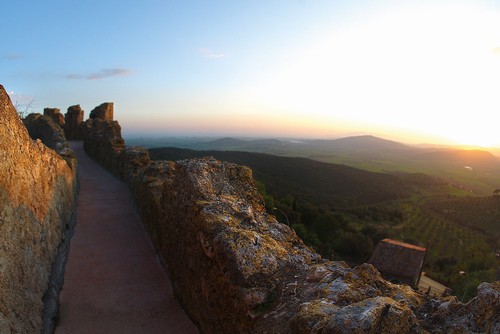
column 330, row 185
column 475, row 172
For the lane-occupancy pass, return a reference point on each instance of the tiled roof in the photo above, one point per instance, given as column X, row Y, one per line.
column 399, row 261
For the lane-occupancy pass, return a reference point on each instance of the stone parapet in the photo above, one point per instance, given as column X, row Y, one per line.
column 103, row 111
column 55, row 114
column 73, row 127
column 44, row 128
column 103, row 142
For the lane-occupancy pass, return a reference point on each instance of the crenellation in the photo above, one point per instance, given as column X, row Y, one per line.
column 73, row 128
column 55, row 114
column 103, row 111
column 44, row 128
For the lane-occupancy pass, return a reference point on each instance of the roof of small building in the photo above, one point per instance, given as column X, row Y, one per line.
column 399, row 260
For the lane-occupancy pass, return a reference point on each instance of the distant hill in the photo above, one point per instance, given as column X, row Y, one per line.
column 361, row 144
column 331, row 185
column 470, row 158
column 474, row 171
column 223, row 144
column 232, row 144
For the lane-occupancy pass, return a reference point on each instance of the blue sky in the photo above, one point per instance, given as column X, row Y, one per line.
column 417, row 71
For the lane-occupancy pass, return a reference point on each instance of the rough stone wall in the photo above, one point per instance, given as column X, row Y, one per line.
column 237, row 270
column 103, row 111
column 55, row 114
column 103, row 142
column 73, row 125
column 36, row 203
column 50, row 133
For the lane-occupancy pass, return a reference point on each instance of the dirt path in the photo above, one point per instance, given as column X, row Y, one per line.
column 114, row 282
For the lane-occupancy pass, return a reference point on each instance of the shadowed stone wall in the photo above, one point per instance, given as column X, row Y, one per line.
column 55, row 114
column 51, row 134
column 103, row 111
column 103, row 142
column 73, row 125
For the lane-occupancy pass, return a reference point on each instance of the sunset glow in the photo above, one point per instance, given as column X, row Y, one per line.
column 391, row 70
column 420, row 71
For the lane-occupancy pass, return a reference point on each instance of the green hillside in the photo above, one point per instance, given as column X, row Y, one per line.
column 476, row 172
column 480, row 214
column 327, row 185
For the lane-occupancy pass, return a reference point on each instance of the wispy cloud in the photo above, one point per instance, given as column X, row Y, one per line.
column 20, row 98
column 102, row 74
column 209, row 53
column 12, row 56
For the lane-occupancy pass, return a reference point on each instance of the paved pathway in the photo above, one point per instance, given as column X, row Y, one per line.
column 114, row 282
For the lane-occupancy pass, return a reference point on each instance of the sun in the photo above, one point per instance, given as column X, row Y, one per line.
column 431, row 69
column 477, row 139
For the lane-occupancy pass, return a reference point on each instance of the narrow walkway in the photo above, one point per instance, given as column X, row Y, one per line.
column 114, row 282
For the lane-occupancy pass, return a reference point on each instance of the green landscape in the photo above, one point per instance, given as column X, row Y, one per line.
column 343, row 196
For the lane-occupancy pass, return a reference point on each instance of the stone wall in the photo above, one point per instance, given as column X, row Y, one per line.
column 237, row 270
column 73, row 123
column 103, row 111
column 55, row 114
column 51, row 134
column 103, row 142
column 37, row 201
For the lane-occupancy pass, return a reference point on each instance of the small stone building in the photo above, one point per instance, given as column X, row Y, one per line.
column 399, row 262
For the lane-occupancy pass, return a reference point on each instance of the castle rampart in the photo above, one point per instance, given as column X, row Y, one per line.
column 233, row 266
column 236, row 269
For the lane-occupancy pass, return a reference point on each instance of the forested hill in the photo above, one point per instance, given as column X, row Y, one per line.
column 469, row 170
column 330, row 185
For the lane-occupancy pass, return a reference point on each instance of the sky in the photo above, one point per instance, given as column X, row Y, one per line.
column 415, row 71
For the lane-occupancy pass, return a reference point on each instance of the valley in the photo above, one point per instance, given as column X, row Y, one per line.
column 371, row 189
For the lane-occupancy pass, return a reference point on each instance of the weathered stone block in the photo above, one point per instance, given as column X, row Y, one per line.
column 104, row 143
column 73, row 121
column 55, row 114
column 44, row 128
column 104, row 111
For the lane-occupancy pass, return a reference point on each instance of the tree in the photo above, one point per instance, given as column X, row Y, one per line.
column 23, row 109
column 268, row 199
column 309, row 238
